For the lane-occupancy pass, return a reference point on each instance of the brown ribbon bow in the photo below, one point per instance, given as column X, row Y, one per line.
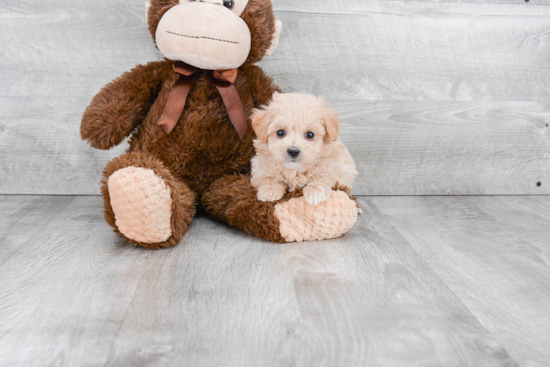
column 223, row 80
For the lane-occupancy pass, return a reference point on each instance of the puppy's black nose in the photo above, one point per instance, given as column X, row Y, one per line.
column 293, row 152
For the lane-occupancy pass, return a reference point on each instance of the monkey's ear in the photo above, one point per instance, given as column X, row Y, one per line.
column 275, row 40
column 147, row 5
column 260, row 123
column 331, row 120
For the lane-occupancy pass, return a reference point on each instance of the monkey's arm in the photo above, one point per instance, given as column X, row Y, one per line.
column 263, row 86
column 121, row 105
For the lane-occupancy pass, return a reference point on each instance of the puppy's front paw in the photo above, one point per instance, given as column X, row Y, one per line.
column 271, row 192
column 316, row 193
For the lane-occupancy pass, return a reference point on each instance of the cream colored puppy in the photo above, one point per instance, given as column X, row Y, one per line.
column 298, row 147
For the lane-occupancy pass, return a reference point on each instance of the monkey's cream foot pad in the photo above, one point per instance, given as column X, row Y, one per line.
column 142, row 204
column 301, row 221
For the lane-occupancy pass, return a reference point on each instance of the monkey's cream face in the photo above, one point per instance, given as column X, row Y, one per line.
column 207, row 34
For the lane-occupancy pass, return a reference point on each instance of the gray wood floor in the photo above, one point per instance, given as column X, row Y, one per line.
column 420, row 281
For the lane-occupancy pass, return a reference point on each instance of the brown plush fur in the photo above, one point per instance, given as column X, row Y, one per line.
column 233, row 200
column 203, row 147
column 121, row 105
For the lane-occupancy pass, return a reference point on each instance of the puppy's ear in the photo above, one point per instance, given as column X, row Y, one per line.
column 331, row 120
column 260, row 123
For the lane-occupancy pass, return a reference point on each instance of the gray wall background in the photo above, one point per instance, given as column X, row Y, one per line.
column 436, row 97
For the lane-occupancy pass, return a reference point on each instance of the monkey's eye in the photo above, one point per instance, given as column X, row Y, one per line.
column 228, row 4
column 310, row 135
column 281, row 133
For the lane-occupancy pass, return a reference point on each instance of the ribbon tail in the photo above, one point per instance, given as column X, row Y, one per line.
column 232, row 102
column 176, row 102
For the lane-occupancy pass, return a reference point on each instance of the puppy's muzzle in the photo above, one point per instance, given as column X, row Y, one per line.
column 293, row 152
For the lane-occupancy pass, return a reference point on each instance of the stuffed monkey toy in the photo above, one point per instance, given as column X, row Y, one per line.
column 190, row 137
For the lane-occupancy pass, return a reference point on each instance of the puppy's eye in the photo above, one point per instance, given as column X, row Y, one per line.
column 281, row 133
column 228, row 4
column 310, row 135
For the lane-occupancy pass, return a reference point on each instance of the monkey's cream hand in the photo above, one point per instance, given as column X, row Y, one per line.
column 316, row 192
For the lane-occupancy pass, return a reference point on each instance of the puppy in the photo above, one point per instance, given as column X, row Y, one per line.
column 298, row 147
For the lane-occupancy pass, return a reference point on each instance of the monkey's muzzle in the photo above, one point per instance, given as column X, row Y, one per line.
column 205, row 35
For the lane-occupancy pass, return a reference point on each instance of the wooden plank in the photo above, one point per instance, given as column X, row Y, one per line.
column 22, row 217
column 41, row 153
column 343, row 5
column 65, row 292
column 401, row 148
column 483, row 2
column 57, row 55
column 74, row 293
column 390, row 50
column 493, row 253
column 448, row 148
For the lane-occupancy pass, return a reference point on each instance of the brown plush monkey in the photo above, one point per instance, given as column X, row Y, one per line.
column 190, row 135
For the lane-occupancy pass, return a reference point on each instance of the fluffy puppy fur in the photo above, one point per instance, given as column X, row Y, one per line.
column 298, row 147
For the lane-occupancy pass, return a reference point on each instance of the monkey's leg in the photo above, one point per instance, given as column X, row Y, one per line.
column 233, row 200
column 144, row 203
